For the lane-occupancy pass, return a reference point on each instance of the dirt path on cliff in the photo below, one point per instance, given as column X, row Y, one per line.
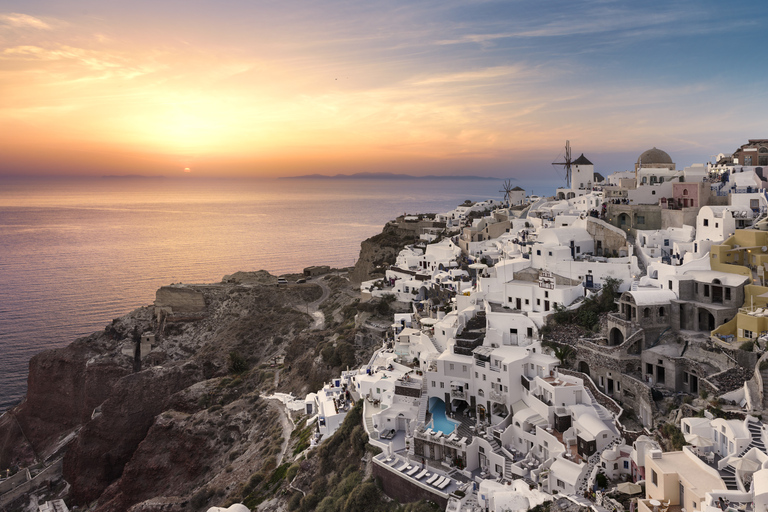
column 287, row 423
column 313, row 308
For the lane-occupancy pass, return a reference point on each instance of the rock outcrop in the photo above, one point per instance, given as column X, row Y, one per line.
column 108, row 442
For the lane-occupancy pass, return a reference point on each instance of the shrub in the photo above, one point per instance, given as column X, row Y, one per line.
column 764, row 365
column 237, row 363
column 747, row 346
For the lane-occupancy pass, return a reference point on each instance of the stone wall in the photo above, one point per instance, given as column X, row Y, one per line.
column 676, row 218
column 179, row 299
column 49, row 474
column 611, row 238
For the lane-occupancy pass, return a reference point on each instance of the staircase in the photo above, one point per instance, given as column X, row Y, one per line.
column 602, row 412
column 423, row 402
column 757, row 440
column 729, row 478
column 369, row 426
column 728, row 473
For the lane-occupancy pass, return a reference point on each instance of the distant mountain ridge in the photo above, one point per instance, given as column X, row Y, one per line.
column 385, row 176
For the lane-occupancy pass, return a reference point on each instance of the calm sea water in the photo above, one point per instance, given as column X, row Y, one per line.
column 76, row 253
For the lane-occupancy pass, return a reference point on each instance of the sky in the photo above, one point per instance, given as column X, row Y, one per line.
column 265, row 89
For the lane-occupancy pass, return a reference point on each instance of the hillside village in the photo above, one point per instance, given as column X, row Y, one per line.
column 603, row 349
column 548, row 339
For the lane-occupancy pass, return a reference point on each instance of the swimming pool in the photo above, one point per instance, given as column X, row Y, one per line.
column 439, row 420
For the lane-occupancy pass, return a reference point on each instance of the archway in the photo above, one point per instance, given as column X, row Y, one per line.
column 560, row 195
column 584, row 367
column 615, row 337
column 706, row 320
column 623, row 220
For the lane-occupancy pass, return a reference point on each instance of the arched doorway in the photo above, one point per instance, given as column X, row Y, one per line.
column 706, row 320
column 584, row 367
column 623, row 220
column 615, row 337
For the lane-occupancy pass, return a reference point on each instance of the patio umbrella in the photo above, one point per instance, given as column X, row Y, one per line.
column 629, row 488
column 698, row 441
column 746, row 465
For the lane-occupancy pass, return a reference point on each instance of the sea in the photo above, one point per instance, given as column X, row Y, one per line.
column 77, row 252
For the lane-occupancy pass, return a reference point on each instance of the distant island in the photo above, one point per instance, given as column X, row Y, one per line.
column 385, row 176
column 131, row 177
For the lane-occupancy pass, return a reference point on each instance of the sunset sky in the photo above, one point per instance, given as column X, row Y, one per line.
column 256, row 88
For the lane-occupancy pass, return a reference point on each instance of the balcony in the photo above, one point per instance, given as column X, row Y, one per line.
column 497, row 396
column 459, row 395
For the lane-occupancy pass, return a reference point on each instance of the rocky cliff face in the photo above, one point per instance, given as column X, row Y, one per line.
column 108, row 442
column 191, row 431
column 380, row 251
column 64, row 387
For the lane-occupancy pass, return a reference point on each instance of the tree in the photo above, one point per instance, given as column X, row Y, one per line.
column 563, row 353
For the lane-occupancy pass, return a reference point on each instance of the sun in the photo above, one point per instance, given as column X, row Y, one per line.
column 187, row 169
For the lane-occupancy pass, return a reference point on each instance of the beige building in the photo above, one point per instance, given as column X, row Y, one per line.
column 677, row 481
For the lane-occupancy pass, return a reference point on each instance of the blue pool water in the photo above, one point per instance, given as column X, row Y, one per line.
column 439, row 420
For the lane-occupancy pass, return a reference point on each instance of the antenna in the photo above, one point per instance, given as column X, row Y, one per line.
column 566, row 163
column 507, row 188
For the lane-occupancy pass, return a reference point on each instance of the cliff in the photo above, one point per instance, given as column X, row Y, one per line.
column 188, row 428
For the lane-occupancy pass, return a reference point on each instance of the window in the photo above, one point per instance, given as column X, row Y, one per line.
column 546, row 295
column 482, row 450
column 648, row 369
column 640, row 219
column 538, row 252
column 527, row 302
column 529, row 332
column 605, row 436
column 451, row 366
column 442, row 385
column 538, row 302
column 727, row 293
column 463, row 368
column 685, row 377
column 378, row 391
column 706, row 222
column 669, row 283
column 483, row 376
column 654, row 477
column 717, row 225
column 706, row 290
column 626, row 464
column 550, row 253
column 504, row 367
column 560, row 484
column 433, row 384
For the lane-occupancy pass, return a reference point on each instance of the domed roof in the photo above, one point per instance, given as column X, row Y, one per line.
column 654, row 156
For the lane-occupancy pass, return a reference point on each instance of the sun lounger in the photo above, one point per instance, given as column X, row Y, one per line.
column 433, row 478
column 463, row 440
column 421, row 475
column 439, row 481
column 444, row 484
column 413, row 471
column 405, row 465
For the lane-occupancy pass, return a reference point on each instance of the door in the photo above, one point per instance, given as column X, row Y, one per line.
column 610, row 386
column 518, row 303
column 590, row 280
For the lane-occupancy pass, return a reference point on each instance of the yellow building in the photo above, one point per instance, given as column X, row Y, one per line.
column 745, row 253
column 676, row 481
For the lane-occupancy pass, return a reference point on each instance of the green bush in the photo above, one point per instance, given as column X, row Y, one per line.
column 747, row 346
column 237, row 363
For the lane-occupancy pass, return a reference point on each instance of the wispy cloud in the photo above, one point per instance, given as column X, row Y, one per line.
column 23, row 21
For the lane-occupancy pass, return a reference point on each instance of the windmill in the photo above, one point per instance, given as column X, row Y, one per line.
column 566, row 163
column 507, row 188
